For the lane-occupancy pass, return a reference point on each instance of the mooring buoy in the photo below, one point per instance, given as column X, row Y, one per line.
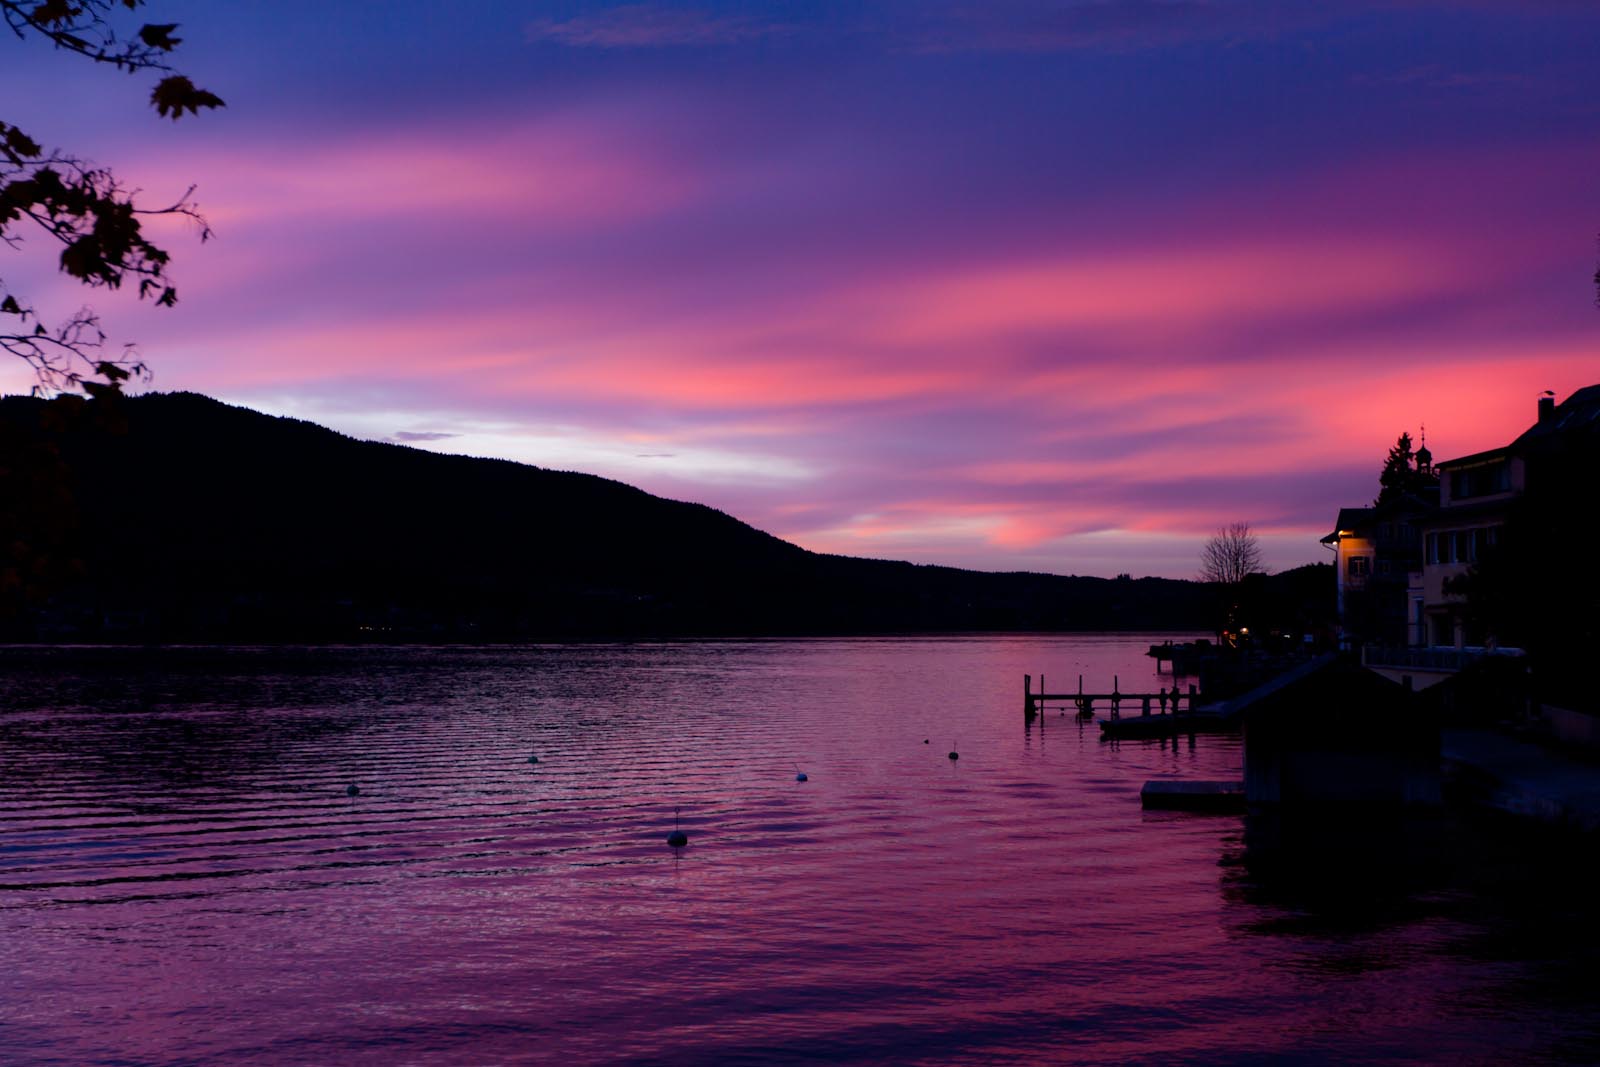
column 352, row 790
column 533, row 759
column 677, row 839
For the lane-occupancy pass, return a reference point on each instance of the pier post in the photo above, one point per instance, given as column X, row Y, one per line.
column 1027, row 696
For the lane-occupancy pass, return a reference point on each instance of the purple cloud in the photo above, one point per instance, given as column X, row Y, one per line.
column 650, row 26
column 406, row 437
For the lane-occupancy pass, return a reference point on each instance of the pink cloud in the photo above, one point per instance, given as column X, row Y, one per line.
column 1161, row 294
column 571, row 170
column 1008, row 401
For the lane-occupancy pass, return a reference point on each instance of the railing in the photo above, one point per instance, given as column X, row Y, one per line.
column 1426, row 658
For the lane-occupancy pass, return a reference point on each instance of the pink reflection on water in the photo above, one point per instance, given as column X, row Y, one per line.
column 182, row 877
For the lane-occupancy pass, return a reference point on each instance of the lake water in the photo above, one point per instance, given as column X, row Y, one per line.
column 183, row 879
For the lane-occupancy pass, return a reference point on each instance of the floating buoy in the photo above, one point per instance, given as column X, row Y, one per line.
column 954, row 755
column 799, row 775
column 677, row 839
column 352, row 790
column 924, row 740
column 533, row 759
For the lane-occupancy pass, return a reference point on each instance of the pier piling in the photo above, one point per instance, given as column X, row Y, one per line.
column 1172, row 701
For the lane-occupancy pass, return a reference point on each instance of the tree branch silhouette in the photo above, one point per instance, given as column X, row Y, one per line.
column 96, row 221
column 1230, row 555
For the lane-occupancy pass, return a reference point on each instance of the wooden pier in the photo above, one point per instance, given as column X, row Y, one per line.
column 1162, row 702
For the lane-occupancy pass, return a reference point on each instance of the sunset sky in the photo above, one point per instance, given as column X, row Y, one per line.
column 1000, row 283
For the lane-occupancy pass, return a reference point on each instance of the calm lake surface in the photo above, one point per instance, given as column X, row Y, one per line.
column 183, row 879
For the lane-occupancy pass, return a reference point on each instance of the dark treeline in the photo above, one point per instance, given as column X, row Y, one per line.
column 178, row 518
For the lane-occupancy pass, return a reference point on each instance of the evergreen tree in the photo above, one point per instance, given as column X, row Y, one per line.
column 1402, row 475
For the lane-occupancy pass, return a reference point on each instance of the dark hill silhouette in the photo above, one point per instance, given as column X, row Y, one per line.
column 188, row 519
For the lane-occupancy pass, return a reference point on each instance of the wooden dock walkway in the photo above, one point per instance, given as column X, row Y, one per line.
column 1163, row 701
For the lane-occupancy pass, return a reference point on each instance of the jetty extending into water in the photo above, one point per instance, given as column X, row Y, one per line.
column 1163, row 704
column 1164, row 713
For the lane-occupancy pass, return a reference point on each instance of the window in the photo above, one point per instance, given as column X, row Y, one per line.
column 1383, row 566
column 1481, row 480
column 1461, row 546
column 1357, row 567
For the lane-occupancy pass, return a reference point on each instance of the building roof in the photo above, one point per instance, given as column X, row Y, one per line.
column 1475, row 458
column 1578, row 412
column 1332, row 701
column 1350, row 519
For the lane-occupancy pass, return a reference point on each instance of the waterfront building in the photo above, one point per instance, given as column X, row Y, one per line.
column 1545, row 475
column 1376, row 550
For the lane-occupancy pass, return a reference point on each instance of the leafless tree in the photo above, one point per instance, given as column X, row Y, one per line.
column 1231, row 555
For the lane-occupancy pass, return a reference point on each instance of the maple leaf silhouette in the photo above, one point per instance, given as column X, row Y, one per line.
column 175, row 94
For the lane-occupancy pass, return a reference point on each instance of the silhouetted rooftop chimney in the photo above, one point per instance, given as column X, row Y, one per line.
column 1547, row 405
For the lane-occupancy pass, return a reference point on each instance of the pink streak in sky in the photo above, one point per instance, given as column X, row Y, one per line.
column 1247, row 353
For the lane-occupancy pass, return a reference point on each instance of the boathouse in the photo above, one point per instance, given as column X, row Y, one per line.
column 1339, row 734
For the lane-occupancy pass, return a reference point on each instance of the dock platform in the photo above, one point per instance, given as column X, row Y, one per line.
column 1179, row 794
